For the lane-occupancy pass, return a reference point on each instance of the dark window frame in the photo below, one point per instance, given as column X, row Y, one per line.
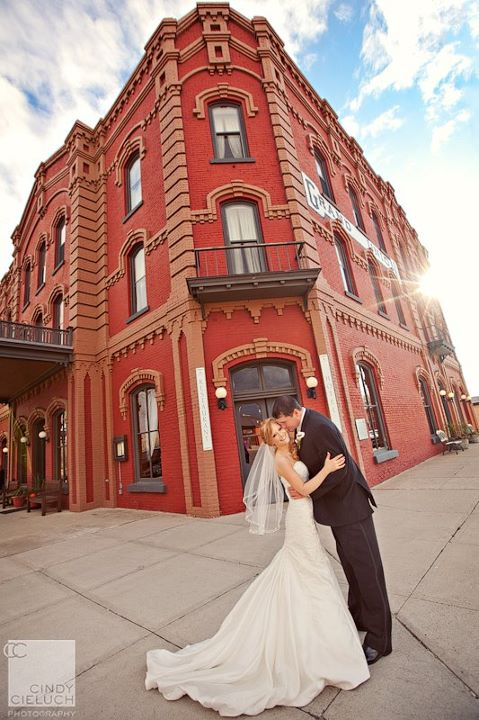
column 261, row 256
column 42, row 264
column 379, row 235
column 427, row 405
column 134, row 309
column 132, row 160
column 397, row 302
column 60, row 231
column 136, row 433
column 367, row 376
column 344, row 265
column 245, row 156
column 324, row 178
column 358, row 218
column 381, row 307
column 57, row 302
column 27, row 284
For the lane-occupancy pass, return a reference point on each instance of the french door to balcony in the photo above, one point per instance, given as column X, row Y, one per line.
column 242, row 233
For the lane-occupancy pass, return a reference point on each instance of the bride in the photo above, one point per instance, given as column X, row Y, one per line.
column 291, row 633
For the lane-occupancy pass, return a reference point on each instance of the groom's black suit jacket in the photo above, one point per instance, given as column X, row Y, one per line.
column 344, row 497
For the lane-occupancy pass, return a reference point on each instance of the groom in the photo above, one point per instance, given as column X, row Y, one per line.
column 344, row 501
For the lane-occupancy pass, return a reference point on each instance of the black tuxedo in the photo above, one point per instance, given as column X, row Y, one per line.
column 344, row 501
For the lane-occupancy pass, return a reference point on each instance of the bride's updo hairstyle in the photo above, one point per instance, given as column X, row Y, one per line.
column 266, row 434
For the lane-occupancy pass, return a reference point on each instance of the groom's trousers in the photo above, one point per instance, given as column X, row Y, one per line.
column 368, row 602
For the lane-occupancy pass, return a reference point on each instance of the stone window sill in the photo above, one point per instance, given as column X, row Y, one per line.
column 150, row 486
column 381, row 456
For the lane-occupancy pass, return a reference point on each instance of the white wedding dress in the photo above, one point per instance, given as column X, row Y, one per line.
column 288, row 636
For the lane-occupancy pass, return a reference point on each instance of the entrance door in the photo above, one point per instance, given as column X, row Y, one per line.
column 255, row 388
column 38, row 457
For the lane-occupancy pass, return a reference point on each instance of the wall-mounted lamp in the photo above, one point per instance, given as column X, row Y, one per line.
column 24, row 439
column 120, row 448
column 312, row 384
column 221, row 394
column 463, row 397
column 5, row 450
column 42, row 435
column 468, row 398
column 442, row 393
column 450, row 395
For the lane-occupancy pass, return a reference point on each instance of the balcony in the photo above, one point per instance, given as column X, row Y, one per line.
column 30, row 354
column 247, row 271
column 441, row 348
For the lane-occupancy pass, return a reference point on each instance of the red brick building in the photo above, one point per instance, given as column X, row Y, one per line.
column 218, row 233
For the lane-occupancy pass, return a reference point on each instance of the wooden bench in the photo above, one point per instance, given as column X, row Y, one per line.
column 448, row 443
column 49, row 493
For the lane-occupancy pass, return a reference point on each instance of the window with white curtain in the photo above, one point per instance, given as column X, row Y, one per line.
column 229, row 139
column 147, row 434
column 138, row 280
column 242, row 232
column 133, row 183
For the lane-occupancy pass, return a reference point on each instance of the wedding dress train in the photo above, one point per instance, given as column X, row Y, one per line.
column 288, row 636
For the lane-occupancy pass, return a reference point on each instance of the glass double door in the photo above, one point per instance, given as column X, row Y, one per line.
column 255, row 388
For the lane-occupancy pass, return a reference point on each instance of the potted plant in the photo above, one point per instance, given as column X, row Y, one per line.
column 18, row 498
column 472, row 435
column 459, row 432
column 33, row 492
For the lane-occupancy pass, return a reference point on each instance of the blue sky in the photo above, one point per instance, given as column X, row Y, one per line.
column 402, row 76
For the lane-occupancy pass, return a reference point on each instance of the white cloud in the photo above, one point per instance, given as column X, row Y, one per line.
column 442, row 133
column 388, row 120
column 308, row 60
column 344, row 12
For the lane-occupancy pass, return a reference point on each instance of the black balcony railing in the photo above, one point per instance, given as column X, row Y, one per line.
column 248, row 258
column 21, row 333
column 441, row 347
column 247, row 271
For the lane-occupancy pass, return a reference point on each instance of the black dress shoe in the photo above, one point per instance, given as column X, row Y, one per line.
column 373, row 655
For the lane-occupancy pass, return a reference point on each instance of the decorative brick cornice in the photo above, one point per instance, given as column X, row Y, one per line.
column 224, row 91
column 139, row 377
column 125, row 151
column 238, row 189
column 260, row 348
column 133, row 238
column 365, row 355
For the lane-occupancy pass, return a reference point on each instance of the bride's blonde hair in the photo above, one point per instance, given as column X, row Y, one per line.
column 266, row 433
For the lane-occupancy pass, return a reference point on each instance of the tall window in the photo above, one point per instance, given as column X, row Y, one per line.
column 58, row 312
column 26, row 286
column 60, row 446
column 377, row 288
column 356, row 211
column 147, row 435
column 372, row 407
column 322, row 171
column 445, row 404
column 229, row 138
column 379, row 234
column 241, row 228
column 42, row 256
column 60, row 236
column 397, row 301
column 138, row 280
column 133, row 182
column 344, row 266
column 428, row 409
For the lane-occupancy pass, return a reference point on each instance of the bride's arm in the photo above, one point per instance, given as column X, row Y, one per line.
column 286, row 470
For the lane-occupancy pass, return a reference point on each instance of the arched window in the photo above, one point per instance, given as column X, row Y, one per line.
column 322, row 171
column 379, row 234
column 372, row 406
column 42, row 256
column 27, row 275
column 242, row 231
column 60, row 446
column 227, row 131
column 344, row 265
column 356, row 211
column 397, row 301
column 133, row 182
column 58, row 312
column 427, row 403
column 146, row 433
column 138, row 280
column 21, row 456
column 377, row 288
column 60, row 237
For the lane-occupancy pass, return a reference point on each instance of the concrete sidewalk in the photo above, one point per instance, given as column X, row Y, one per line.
column 121, row 582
